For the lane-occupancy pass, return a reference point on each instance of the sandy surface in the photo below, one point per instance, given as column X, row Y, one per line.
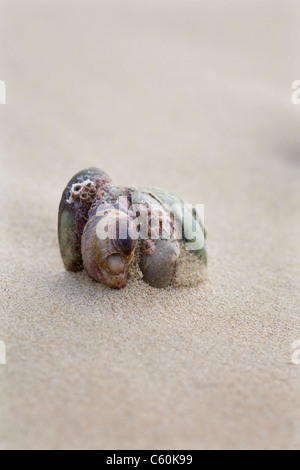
column 188, row 95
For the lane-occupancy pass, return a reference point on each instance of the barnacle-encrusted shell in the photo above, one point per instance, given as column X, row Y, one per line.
column 76, row 201
column 159, row 252
column 159, row 258
column 186, row 216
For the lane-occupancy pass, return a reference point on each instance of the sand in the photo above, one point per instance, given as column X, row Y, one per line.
column 194, row 97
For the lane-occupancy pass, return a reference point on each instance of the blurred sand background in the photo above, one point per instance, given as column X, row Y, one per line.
column 193, row 96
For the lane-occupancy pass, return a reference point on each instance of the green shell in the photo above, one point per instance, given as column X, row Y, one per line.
column 186, row 214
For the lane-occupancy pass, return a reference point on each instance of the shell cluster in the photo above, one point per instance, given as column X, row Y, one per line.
column 103, row 226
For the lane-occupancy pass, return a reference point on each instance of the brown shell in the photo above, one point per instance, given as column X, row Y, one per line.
column 107, row 260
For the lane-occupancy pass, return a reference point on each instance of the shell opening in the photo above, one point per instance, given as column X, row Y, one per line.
column 115, row 264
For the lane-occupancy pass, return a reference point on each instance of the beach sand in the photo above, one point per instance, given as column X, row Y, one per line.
column 187, row 95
